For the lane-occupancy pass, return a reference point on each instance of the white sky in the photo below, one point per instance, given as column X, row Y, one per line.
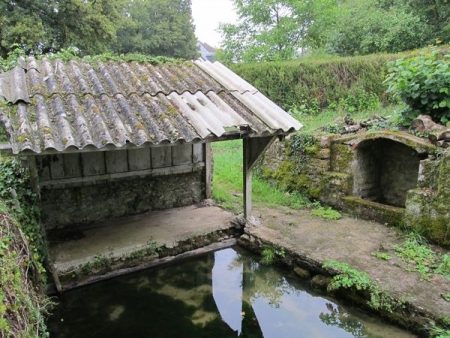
column 207, row 15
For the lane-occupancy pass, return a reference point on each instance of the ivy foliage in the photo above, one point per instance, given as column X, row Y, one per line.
column 16, row 194
column 23, row 305
column 422, row 82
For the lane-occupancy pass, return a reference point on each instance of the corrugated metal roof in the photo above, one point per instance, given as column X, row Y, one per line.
column 54, row 105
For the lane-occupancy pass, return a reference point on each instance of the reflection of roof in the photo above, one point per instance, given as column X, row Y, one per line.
column 55, row 105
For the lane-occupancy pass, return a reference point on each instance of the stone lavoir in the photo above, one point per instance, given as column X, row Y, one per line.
column 391, row 177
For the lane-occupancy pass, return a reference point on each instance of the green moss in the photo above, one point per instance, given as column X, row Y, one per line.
column 341, row 157
column 171, row 110
column 174, row 79
column 381, row 213
column 46, row 131
column 312, row 150
column 286, row 177
column 435, row 229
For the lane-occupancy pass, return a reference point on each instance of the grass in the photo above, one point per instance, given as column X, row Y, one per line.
column 313, row 122
column 228, row 182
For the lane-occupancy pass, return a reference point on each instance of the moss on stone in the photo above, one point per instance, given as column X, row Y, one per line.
column 435, row 229
column 341, row 157
column 312, row 150
column 369, row 210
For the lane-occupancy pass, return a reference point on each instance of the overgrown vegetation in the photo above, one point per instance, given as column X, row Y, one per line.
column 22, row 252
column 271, row 30
column 156, row 27
column 227, row 187
column 348, row 84
column 271, row 253
column 350, row 278
column 419, row 257
column 422, row 82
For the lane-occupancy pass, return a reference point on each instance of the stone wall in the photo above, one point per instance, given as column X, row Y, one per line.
column 63, row 207
column 84, row 187
column 428, row 205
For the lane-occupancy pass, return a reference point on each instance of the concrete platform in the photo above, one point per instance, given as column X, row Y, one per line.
column 117, row 239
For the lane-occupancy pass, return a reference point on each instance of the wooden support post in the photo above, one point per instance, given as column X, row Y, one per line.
column 34, row 176
column 208, row 170
column 253, row 149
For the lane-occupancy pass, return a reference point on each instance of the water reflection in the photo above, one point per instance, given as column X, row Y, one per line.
column 222, row 294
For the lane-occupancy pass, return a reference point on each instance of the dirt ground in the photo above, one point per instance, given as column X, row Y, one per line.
column 352, row 241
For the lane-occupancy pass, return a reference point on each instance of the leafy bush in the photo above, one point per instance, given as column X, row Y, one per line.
column 348, row 277
column 422, row 82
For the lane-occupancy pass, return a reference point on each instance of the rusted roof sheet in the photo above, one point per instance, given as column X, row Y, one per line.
column 56, row 105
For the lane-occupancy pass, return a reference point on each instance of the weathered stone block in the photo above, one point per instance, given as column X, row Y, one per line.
column 325, row 141
column 324, row 154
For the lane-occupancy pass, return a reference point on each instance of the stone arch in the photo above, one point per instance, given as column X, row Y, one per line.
column 385, row 169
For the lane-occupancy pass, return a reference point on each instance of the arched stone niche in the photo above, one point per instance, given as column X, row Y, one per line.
column 384, row 170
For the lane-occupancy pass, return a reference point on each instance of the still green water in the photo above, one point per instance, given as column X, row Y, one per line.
column 222, row 294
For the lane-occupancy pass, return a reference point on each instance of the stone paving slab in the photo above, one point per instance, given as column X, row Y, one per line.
column 352, row 240
column 122, row 236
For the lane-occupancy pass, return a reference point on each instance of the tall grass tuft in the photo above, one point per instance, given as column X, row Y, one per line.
column 228, row 182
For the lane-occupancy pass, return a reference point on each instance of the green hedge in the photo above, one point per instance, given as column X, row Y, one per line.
column 319, row 82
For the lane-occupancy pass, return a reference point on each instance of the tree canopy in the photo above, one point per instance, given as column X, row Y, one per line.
column 156, row 27
column 285, row 29
column 268, row 29
column 366, row 27
column 41, row 26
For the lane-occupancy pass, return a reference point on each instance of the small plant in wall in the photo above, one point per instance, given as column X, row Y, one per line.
column 350, row 278
column 271, row 253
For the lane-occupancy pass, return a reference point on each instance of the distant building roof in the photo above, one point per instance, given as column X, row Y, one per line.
column 206, row 51
column 58, row 106
column 208, row 47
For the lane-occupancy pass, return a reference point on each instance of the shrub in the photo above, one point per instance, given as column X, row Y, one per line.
column 310, row 85
column 422, row 82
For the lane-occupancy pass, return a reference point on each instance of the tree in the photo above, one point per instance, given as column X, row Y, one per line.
column 157, row 27
column 21, row 22
column 436, row 15
column 366, row 27
column 41, row 26
column 87, row 25
column 276, row 29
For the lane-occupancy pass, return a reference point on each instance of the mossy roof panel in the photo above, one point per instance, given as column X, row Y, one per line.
column 53, row 105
